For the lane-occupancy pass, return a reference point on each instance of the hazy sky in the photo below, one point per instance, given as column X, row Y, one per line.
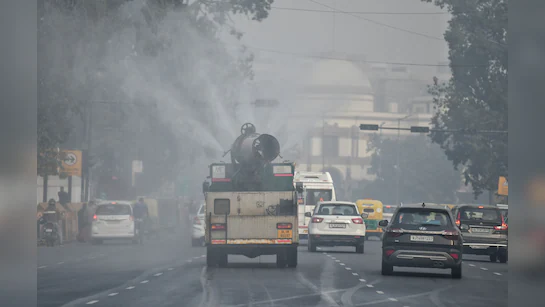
column 311, row 32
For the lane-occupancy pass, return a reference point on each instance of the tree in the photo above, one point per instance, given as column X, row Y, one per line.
column 475, row 97
column 425, row 173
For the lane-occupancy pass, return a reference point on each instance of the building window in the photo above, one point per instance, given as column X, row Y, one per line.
column 330, row 146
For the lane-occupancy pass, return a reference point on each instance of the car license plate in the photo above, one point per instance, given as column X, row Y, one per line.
column 480, row 230
column 49, row 230
column 337, row 225
column 422, row 238
column 284, row 234
column 478, row 246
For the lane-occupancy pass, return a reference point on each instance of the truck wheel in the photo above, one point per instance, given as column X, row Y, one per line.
column 223, row 260
column 360, row 248
column 281, row 259
column 292, row 257
column 493, row 258
column 211, row 258
column 503, row 257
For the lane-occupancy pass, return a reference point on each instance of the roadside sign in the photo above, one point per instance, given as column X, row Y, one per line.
column 503, row 188
column 137, row 166
column 71, row 162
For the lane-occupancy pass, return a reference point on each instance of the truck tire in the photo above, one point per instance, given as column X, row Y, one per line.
column 222, row 260
column 211, row 258
column 281, row 259
column 292, row 257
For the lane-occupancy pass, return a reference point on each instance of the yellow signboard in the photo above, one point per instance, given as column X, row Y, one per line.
column 503, row 188
column 71, row 162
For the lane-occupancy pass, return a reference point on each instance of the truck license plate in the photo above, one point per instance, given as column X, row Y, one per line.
column 284, row 234
column 422, row 238
column 49, row 230
column 337, row 225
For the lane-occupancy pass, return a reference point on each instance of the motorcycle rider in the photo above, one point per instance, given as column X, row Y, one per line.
column 52, row 215
column 140, row 211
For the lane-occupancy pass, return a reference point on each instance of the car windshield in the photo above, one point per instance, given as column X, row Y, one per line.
column 389, row 209
column 314, row 196
column 480, row 214
column 421, row 217
column 113, row 210
column 337, row 209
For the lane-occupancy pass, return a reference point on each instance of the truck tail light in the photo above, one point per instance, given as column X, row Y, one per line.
column 357, row 220
column 284, row 226
column 317, row 219
column 218, row 227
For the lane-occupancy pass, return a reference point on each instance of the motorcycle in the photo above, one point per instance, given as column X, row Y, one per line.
column 50, row 234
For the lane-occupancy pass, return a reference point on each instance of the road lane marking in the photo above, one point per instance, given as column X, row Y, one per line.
column 380, row 292
column 348, row 269
column 196, row 257
column 484, row 269
column 324, row 253
column 130, row 288
column 325, row 296
column 158, row 274
column 170, row 269
column 271, row 302
column 393, row 299
column 42, row 267
column 499, row 274
column 471, row 264
column 144, row 281
column 92, row 302
column 363, row 280
column 355, row 274
column 113, row 294
column 189, row 260
column 341, row 263
column 404, row 297
column 333, row 258
column 370, row 286
column 337, row 260
column 60, row 262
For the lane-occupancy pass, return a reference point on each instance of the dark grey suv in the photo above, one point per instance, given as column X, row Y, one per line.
column 484, row 230
column 422, row 236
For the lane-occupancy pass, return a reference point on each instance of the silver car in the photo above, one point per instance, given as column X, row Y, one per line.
column 197, row 229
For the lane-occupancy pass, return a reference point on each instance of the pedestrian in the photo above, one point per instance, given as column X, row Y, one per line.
column 83, row 222
column 64, row 198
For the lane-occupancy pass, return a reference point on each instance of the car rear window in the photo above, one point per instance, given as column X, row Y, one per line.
column 410, row 217
column 480, row 214
column 337, row 209
column 113, row 210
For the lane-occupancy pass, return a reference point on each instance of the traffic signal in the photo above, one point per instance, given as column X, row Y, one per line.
column 418, row 129
column 368, row 127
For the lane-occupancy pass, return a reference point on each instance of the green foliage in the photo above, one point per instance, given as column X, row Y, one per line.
column 424, row 172
column 476, row 95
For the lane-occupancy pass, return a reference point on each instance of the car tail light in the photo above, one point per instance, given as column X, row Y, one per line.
column 458, row 220
column 131, row 218
column 317, row 219
column 454, row 256
column 284, row 226
column 196, row 221
column 218, row 227
column 357, row 220
column 388, row 252
column 94, row 217
column 394, row 232
column 451, row 235
column 503, row 225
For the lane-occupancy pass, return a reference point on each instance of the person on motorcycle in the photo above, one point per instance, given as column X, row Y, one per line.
column 140, row 211
column 53, row 216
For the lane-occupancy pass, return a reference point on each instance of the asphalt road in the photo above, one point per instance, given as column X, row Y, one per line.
column 169, row 272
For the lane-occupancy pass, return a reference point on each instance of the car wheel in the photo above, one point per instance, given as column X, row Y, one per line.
column 360, row 248
column 311, row 246
column 503, row 258
column 387, row 269
column 493, row 258
column 456, row 272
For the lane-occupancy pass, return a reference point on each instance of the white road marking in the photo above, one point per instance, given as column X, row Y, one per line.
column 170, row 269
column 333, row 258
column 92, row 302
column 196, row 257
column 324, row 253
column 189, row 260
column 144, row 281
column 355, row 274
column 499, row 274
column 348, row 269
column 341, row 263
column 393, row 299
column 484, row 269
column 60, row 263
column 113, row 294
column 380, row 292
column 471, row 264
column 337, row 261
column 363, row 280
column 42, row 267
column 370, row 286
column 158, row 274
column 130, row 288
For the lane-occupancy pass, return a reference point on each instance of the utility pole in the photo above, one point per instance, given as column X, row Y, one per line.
column 398, row 167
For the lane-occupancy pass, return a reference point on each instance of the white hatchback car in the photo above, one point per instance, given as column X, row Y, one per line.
column 197, row 230
column 336, row 223
column 113, row 220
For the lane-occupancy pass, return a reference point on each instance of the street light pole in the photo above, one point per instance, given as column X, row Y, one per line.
column 398, row 168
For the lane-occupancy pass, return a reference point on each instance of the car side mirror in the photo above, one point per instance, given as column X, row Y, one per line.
column 299, row 187
column 364, row 215
column 383, row 223
column 308, row 214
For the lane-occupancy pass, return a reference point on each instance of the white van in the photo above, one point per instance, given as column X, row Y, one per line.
column 317, row 186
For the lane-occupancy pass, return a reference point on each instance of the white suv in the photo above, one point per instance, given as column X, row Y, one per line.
column 113, row 220
column 336, row 223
